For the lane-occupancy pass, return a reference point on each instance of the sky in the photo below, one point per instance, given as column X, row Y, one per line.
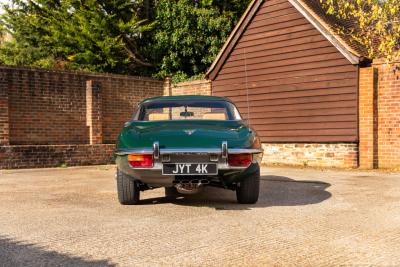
column 2, row 2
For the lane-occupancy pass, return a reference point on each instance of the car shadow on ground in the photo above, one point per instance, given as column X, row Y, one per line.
column 274, row 191
column 16, row 253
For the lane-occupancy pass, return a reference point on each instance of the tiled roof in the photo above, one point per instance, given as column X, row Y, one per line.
column 315, row 13
column 333, row 22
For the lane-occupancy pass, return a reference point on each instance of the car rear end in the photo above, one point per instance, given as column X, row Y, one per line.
column 161, row 167
column 187, row 143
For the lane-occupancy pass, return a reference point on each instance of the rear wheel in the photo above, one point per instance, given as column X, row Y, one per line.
column 128, row 189
column 248, row 190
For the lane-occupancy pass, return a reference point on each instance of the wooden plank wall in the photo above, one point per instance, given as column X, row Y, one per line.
column 301, row 88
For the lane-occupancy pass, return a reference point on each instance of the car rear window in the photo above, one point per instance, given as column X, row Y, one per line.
column 187, row 110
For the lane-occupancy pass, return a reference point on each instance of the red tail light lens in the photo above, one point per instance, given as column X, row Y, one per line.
column 140, row 160
column 239, row 160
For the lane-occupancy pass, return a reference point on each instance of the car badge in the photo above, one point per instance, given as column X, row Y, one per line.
column 189, row 132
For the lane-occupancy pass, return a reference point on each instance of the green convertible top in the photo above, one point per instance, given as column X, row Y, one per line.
column 185, row 97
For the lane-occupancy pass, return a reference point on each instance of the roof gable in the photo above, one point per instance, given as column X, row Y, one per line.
column 234, row 37
column 311, row 10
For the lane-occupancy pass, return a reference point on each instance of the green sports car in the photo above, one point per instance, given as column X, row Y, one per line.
column 184, row 143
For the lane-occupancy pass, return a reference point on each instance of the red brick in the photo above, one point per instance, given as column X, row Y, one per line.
column 46, row 108
column 42, row 156
column 388, row 115
column 367, row 98
column 199, row 87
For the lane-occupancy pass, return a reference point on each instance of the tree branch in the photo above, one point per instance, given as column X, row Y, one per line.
column 131, row 50
column 135, row 59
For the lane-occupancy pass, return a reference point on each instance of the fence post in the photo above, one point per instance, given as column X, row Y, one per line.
column 93, row 112
column 367, row 118
column 168, row 86
column 4, row 112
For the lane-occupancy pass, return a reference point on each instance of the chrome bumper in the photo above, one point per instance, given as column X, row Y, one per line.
column 220, row 166
column 222, row 154
column 153, row 176
column 156, row 151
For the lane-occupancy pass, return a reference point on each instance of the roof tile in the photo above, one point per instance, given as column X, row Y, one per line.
column 333, row 22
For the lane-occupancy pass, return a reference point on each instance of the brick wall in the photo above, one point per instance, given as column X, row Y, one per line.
column 388, row 113
column 49, row 107
column 380, row 116
column 4, row 118
column 44, row 112
column 46, row 107
column 314, row 155
column 42, row 156
column 49, row 118
column 121, row 95
column 199, row 87
column 367, row 114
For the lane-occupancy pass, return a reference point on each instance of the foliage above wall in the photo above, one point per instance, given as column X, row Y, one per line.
column 159, row 37
column 96, row 35
column 378, row 24
column 151, row 37
column 187, row 37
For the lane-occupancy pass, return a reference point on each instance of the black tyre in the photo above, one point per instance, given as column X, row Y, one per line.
column 248, row 190
column 128, row 189
column 171, row 192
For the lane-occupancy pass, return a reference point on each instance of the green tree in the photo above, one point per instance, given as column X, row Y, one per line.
column 153, row 37
column 234, row 8
column 379, row 24
column 189, row 34
column 95, row 35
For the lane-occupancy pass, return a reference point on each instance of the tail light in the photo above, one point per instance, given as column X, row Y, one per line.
column 240, row 160
column 140, row 160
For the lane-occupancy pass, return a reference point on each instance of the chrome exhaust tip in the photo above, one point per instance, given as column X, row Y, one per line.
column 190, row 187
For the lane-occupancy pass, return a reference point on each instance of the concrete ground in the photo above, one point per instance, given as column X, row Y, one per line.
column 305, row 217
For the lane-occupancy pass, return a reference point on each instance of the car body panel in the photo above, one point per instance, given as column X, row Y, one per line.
column 176, row 134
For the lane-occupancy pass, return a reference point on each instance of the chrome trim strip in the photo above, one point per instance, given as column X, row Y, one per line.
column 157, row 166
column 225, row 166
column 190, row 151
column 245, row 151
column 123, row 152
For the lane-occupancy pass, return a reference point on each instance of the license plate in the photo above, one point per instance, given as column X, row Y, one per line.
column 190, row 169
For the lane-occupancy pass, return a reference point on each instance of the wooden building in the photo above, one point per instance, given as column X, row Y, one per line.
column 285, row 67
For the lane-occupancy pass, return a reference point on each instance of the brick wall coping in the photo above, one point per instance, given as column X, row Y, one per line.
column 55, row 145
column 192, row 83
column 88, row 73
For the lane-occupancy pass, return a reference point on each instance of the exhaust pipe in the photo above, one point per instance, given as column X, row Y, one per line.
column 193, row 182
column 190, row 187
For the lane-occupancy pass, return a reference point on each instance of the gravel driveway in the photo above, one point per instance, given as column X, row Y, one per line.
column 71, row 217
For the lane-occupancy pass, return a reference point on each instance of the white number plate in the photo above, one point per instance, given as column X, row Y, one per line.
column 190, row 169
